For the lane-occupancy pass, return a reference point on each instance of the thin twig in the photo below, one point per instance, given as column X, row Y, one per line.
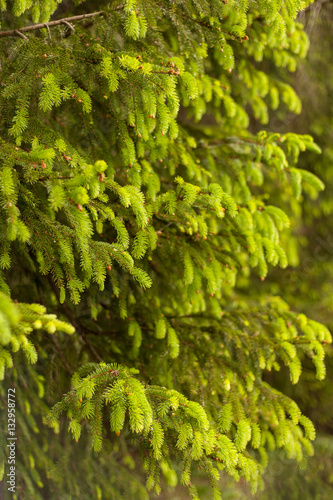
column 77, row 326
column 90, row 346
column 68, row 368
column 48, row 30
column 69, row 25
column 18, row 32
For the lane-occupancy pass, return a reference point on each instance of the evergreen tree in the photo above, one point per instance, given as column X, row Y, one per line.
column 136, row 207
column 308, row 282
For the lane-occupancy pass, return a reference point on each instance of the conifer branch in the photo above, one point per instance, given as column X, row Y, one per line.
column 67, row 20
column 91, row 210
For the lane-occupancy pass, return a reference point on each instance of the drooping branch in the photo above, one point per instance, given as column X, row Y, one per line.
column 66, row 21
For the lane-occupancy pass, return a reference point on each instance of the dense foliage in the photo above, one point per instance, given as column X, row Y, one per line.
column 139, row 216
column 309, row 284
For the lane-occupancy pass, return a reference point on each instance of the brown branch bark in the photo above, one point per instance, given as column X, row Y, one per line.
column 50, row 24
column 316, row 5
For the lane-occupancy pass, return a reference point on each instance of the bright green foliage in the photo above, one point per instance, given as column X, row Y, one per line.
column 135, row 204
column 19, row 320
column 314, row 260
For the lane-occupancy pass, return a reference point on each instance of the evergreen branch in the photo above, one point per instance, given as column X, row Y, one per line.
column 67, row 20
column 88, row 189
column 207, row 26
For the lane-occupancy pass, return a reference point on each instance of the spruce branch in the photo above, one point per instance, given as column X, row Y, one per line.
column 66, row 21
